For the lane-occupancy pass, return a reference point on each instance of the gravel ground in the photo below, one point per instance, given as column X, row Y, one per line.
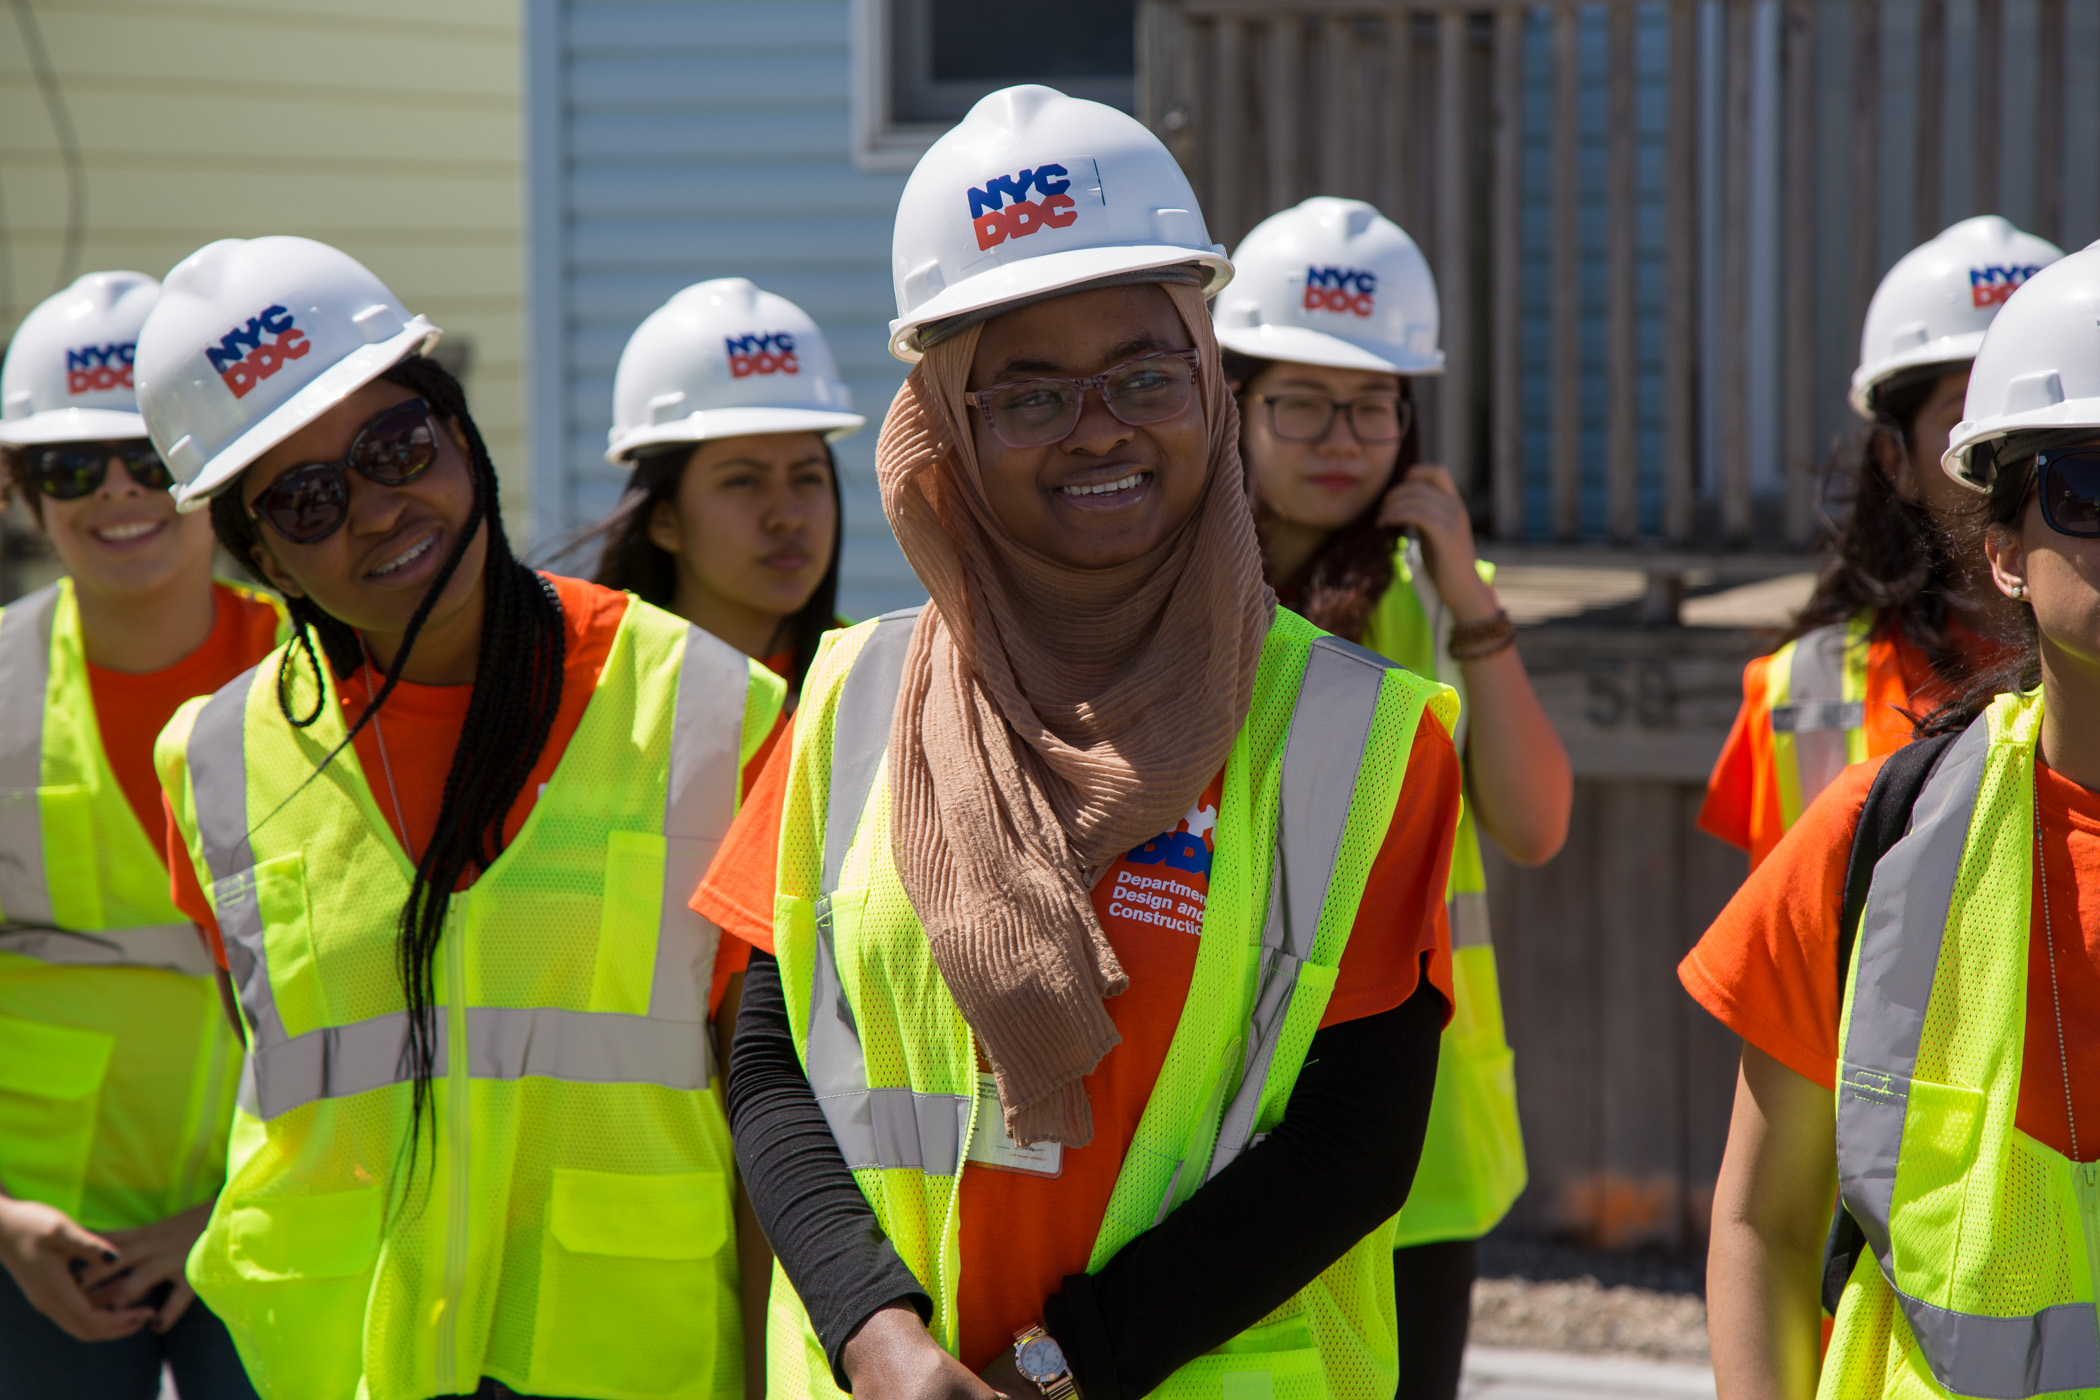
column 1550, row 1297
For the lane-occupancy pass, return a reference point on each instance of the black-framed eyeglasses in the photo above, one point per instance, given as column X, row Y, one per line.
column 309, row 503
column 67, row 471
column 1310, row 417
column 1025, row 413
column 2070, row 490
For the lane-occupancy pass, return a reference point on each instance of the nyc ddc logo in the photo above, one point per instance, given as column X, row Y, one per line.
column 96, row 367
column 1344, row 289
column 760, row 353
column 1021, row 215
column 1990, row 286
column 242, row 357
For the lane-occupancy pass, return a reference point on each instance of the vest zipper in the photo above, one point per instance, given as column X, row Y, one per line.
column 457, row 1128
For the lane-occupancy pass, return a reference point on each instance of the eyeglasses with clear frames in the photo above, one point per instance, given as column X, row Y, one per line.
column 1025, row 413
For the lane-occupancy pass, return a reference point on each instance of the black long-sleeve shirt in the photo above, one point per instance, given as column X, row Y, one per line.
column 1340, row 1162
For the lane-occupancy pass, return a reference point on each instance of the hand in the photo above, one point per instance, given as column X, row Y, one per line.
column 893, row 1357
column 150, row 1256
column 1427, row 500
column 46, row 1253
column 1006, row 1378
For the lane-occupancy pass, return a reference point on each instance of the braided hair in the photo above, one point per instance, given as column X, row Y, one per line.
column 630, row 560
column 1340, row 588
column 1888, row 553
column 517, row 692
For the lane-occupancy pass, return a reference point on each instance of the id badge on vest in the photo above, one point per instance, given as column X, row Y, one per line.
column 990, row 1146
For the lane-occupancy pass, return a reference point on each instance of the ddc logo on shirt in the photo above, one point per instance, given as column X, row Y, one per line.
column 761, row 353
column 1345, row 289
column 1990, row 286
column 95, row 367
column 244, row 359
column 1021, row 215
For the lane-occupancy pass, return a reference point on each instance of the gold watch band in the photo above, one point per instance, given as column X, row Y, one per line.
column 1058, row 1387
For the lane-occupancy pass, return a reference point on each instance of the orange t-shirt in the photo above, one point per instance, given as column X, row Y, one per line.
column 1742, row 796
column 1768, row 968
column 132, row 707
column 1022, row 1233
column 419, row 728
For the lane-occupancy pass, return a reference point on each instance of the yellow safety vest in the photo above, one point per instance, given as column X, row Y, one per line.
column 1816, row 697
column 1977, row 1276
column 567, row 1229
column 1309, row 791
column 1473, row 1158
column 116, row 1063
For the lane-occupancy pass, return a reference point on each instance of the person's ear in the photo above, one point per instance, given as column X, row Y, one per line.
column 2007, row 553
column 274, row 571
column 663, row 527
column 1888, row 455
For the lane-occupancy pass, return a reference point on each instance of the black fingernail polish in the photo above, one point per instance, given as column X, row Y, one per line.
column 109, row 1256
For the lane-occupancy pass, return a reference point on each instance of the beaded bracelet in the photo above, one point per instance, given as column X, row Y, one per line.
column 1474, row 641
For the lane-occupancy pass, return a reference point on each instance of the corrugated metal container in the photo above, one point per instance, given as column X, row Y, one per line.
column 673, row 142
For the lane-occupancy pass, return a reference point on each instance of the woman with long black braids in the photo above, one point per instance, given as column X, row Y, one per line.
column 478, row 1148
column 726, row 403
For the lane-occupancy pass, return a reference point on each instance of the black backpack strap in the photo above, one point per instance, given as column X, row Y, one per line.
column 1882, row 823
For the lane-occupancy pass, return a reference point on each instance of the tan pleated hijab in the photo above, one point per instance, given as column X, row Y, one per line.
column 1051, row 718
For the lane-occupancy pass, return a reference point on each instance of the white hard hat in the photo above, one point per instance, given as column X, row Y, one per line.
column 2039, row 368
column 1934, row 304
column 726, row 359
column 68, row 372
column 253, row 339
column 1332, row 282
column 1030, row 194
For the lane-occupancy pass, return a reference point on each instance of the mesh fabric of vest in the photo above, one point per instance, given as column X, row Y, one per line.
column 1472, row 1167
column 1335, row 1337
column 585, row 1229
column 115, row 1082
column 1984, row 1218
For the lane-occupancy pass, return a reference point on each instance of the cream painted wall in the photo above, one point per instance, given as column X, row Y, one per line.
column 390, row 128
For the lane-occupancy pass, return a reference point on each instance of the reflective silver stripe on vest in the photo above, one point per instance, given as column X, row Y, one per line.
column 25, row 678
column 888, row 1127
column 173, row 947
column 1817, row 713
column 669, row 1047
column 1900, row 935
column 1330, row 725
column 707, row 740
column 1468, row 915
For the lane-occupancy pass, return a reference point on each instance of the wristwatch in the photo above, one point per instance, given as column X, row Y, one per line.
column 1039, row 1358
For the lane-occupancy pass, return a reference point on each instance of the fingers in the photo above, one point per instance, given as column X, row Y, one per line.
column 57, row 1297
column 68, row 1239
column 1435, row 475
column 179, row 1300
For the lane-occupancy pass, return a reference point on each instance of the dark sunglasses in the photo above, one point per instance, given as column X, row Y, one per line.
column 2070, row 489
column 66, row 471
column 309, row 503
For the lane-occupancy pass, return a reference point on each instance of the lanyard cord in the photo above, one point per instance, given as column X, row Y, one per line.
column 387, row 766
column 2063, row 1058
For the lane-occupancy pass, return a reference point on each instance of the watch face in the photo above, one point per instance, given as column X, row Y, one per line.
column 1040, row 1359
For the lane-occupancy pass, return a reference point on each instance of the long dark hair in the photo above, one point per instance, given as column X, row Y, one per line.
column 629, row 559
column 2020, row 668
column 517, row 692
column 1341, row 587
column 1887, row 553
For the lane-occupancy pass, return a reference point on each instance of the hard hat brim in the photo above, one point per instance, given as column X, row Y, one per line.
column 708, row 424
column 1030, row 278
column 1969, row 434
column 72, row 425
column 329, row 388
column 1305, row 346
column 1949, row 349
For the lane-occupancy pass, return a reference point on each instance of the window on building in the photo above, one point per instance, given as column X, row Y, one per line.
column 921, row 64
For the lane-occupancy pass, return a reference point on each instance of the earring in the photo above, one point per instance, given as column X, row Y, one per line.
column 2019, row 593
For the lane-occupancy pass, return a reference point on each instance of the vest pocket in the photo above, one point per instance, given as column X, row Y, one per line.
column 50, row 1090
column 1269, row 1361
column 631, row 1286
column 1940, row 1129
column 301, row 1274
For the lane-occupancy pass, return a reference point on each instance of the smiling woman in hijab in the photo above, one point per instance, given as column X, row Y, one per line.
column 1097, row 907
